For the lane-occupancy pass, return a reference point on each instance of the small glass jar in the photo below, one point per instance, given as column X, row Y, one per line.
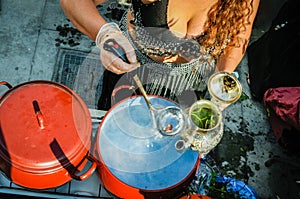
column 170, row 121
column 224, row 89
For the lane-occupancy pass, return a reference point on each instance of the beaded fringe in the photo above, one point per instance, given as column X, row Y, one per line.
column 161, row 78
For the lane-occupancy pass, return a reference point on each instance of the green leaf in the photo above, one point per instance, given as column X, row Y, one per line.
column 244, row 96
column 203, row 118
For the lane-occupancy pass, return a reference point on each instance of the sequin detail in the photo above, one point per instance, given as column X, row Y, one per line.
column 170, row 78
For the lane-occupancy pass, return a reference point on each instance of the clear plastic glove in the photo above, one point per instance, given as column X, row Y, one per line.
column 110, row 61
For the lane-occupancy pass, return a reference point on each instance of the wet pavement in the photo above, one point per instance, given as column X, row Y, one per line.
column 34, row 33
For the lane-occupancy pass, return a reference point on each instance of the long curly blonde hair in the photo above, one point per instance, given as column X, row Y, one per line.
column 226, row 19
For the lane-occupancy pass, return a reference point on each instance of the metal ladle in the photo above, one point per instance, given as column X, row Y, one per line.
column 169, row 120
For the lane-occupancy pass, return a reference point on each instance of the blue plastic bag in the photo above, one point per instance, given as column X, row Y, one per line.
column 237, row 186
column 204, row 177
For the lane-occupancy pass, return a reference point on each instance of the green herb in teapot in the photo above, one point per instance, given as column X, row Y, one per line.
column 204, row 117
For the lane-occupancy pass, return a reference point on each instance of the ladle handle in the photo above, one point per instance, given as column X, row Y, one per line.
column 140, row 85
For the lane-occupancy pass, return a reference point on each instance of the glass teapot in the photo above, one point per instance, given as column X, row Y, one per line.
column 205, row 128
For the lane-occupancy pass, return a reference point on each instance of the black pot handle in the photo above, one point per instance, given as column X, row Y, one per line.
column 89, row 171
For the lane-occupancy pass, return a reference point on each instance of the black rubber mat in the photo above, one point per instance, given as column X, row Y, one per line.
column 80, row 71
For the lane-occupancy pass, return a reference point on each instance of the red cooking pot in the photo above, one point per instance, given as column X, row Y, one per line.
column 45, row 135
column 135, row 160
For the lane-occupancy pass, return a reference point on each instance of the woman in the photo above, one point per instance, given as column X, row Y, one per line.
column 178, row 44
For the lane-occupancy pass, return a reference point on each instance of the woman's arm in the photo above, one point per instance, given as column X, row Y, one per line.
column 232, row 56
column 84, row 15
column 86, row 18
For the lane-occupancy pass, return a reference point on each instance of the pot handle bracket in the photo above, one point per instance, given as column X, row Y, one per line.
column 88, row 172
column 9, row 86
column 117, row 89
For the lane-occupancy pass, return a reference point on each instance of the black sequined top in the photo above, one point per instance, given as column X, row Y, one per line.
column 151, row 15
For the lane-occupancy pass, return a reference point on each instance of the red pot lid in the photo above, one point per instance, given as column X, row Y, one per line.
column 43, row 126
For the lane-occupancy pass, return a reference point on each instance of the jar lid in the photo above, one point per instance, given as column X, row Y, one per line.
column 43, row 126
column 225, row 87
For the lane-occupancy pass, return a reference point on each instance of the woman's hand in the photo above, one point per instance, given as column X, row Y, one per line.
column 110, row 61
